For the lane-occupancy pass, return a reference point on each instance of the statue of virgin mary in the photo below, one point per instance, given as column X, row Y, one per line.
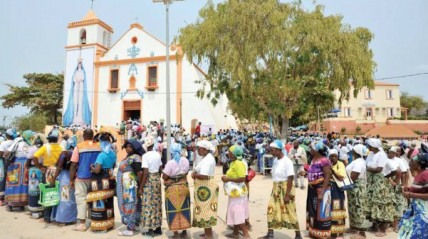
column 78, row 111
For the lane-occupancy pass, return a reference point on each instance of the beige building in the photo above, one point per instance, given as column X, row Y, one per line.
column 373, row 105
column 371, row 108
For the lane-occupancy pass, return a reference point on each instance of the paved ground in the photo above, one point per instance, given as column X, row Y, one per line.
column 19, row 225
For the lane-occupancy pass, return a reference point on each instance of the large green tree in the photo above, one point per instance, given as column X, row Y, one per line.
column 277, row 60
column 43, row 95
column 412, row 102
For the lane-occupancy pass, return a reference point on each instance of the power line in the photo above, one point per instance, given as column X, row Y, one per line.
column 403, row 76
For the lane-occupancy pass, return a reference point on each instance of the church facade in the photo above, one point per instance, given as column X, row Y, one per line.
column 106, row 83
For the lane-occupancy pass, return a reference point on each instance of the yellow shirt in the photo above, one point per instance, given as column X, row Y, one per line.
column 237, row 169
column 339, row 169
column 50, row 154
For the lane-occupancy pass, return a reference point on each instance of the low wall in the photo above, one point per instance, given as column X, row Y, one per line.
column 350, row 125
column 414, row 125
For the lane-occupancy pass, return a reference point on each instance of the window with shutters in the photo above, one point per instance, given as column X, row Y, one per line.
column 368, row 94
column 152, row 78
column 389, row 95
column 114, row 80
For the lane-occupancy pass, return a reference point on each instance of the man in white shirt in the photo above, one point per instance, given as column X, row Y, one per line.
column 298, row 156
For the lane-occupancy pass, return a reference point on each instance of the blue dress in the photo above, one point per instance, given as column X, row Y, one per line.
column 66, row 211
column 67, row 208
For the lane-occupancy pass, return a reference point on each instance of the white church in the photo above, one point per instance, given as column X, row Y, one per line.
column 106, row 83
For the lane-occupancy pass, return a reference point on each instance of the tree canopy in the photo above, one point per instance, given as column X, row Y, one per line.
column 412, row 102
column 277, row 60
column 43, row 94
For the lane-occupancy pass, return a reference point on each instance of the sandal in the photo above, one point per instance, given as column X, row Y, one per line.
column 80, row 227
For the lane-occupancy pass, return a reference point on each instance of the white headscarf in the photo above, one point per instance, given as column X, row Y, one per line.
column 206, row 145
column 375, row 143
column 332, row 151
column 360, row 150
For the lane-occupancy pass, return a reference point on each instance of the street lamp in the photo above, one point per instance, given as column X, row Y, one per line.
column 168, row 98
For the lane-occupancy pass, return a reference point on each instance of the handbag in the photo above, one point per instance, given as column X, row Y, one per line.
column 345, row 184
column 251, row 174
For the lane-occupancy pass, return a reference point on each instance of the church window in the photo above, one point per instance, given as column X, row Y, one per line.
column 152, row 78
column 114, row 80
column 104, row 38
column 134, row 40
column 108, row 40
column 83, row 36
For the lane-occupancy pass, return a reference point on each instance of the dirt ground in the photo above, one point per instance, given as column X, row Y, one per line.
column 19, row 225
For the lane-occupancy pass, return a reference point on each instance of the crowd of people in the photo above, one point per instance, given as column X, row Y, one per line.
column 373, row 175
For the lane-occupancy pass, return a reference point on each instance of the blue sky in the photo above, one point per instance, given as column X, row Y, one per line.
column 33, row 33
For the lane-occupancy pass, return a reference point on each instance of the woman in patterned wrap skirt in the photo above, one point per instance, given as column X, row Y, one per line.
column 357, row 197
column 206, row 190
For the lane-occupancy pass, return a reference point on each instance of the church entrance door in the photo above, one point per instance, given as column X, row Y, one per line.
column 132, row 110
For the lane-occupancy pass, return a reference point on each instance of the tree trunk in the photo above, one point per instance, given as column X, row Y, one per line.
column 285, row 122
column 56, row 117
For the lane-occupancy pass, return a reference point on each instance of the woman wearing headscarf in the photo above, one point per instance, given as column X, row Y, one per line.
column 206, row 190
column 66, row 212
column 414, row 222
column 177, row 194
column 235, row 188
column 35, row 177
column 101, row 190
column 150, row 189
column 338, row 210
column 50, row 153
column 3, row 162
column 318, row 204
column 281, row 211
column 357, row 197
column 400, row 201
column 16, row 193
column 379, row 191
column 129, row 174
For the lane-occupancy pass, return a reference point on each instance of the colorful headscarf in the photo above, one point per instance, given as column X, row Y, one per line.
column 27, row 136
column 237, row 151
column 422, row 159
column 10, row 133
column 71, row 142
column 277, row 144
column 176, row 152
column 138, row 148
column 54, row 134
column 320, row 147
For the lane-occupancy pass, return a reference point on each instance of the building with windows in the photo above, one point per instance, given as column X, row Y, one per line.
column 106, row 83
column 371, row 108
